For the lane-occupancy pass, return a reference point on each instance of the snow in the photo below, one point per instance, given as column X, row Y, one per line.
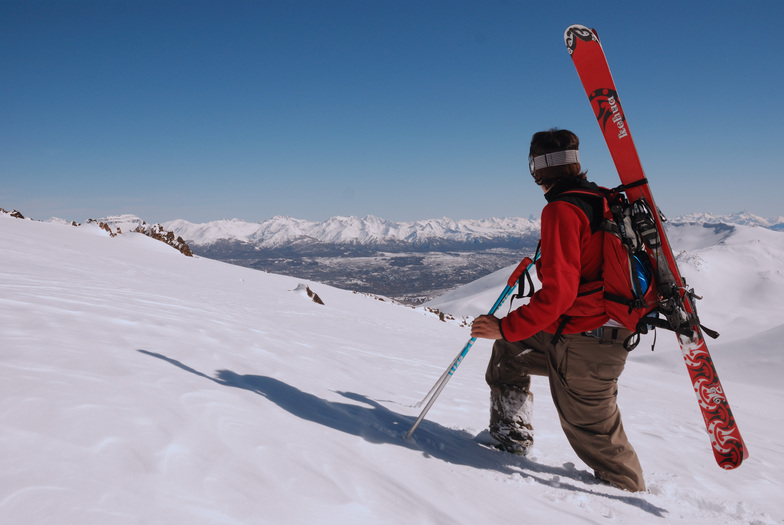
column 741, row 266
column 280, row 231
column 142, row 386
column 743, row 271
column 742, row 217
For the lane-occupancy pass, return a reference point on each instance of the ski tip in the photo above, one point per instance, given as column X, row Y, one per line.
column 731, row 455
column 576, row 32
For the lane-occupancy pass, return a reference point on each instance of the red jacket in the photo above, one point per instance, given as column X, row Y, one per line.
column 571, row 255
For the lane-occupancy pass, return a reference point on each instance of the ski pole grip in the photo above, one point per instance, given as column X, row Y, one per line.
column 522, row 267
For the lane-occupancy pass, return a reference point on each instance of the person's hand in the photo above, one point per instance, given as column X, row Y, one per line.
column 486, row 327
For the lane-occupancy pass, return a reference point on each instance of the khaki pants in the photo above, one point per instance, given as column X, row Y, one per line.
column 583, row 373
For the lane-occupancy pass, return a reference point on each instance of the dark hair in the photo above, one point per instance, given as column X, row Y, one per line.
column 551, row 141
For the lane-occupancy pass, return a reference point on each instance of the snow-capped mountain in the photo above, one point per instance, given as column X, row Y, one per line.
column 284, row 231
column 408, row 261
column 743, row 218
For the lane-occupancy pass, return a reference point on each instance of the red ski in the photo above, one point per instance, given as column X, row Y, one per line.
column 676, row 299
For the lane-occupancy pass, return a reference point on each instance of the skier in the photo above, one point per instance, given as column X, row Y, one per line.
column 582, row 355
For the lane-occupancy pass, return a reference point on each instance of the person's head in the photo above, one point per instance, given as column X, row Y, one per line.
column 554, row 155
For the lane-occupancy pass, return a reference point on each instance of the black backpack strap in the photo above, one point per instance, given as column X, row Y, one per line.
column 564, row 320
column 623, row 187
column 521, row 292
column 591, row 202
column 631, row 342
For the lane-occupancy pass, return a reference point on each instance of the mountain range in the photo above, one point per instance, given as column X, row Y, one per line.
column 407, row 261
column 411, row 262
column 743, row 218
column 283, row 231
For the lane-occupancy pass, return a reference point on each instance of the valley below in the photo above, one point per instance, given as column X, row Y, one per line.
column 410, row 274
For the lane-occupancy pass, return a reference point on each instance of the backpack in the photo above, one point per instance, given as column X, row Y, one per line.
column 627, row 291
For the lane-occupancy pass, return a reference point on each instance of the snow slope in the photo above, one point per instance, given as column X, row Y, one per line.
column 739, row 269
column 142, row 386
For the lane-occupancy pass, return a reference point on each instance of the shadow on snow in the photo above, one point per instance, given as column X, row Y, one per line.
column 377, row 424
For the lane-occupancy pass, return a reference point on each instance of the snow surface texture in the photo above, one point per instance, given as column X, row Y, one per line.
column 142, row 386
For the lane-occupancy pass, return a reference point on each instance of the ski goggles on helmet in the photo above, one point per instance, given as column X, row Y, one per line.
column 557, row 158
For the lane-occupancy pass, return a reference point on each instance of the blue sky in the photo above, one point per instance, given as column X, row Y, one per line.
column 205, row 110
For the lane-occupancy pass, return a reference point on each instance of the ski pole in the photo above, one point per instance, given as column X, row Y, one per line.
column 524, row 266
column 456, row 361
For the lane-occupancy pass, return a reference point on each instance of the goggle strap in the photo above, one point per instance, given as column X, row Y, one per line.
column 557, row 158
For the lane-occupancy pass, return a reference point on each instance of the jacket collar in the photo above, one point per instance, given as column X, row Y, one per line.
column 567, row 184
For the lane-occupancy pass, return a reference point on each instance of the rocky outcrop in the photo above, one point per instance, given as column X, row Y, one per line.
column 156, row 231
column 305, row 291
column 13, row 213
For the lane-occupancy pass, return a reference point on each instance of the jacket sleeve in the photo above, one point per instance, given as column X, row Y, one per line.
column 559, row 272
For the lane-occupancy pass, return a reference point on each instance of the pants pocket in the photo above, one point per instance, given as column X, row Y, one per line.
column 590, row 369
